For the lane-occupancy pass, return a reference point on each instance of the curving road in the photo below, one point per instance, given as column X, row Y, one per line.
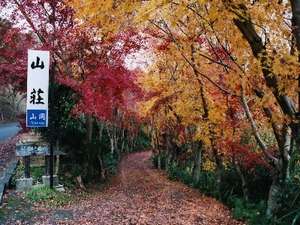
column 8, row 130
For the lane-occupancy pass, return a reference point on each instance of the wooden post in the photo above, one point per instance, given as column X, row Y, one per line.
column 27, row 166
column 47, row 165
column 51, row 165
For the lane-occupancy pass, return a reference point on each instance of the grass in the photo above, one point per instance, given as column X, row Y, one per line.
column 52, row 198
column 16, row 208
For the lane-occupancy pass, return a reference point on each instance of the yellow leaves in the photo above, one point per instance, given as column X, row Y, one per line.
column 216, row 114
column 286, row 67
column 110, row 15
column 146, row 106
column 201, row 1
column 213, row 14
column 183, row 23
column 149, row 9
column 209, row 165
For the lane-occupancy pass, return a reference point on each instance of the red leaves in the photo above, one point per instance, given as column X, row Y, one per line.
column 219, row 53
column 105, row 89
column 164, row 45
column 200, row 40
column 245, row 155
column 85, row 61
column 13, row 55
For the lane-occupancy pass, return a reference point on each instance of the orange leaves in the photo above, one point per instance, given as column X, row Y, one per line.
column 202, row 60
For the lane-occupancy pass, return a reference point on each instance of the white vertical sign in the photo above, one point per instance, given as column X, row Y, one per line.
column 37, row 88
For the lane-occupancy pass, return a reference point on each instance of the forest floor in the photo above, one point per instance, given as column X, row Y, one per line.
column 140, row 195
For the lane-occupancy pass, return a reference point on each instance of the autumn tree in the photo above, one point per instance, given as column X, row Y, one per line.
column 13, row 60
column 90, row 78
column 245, row 50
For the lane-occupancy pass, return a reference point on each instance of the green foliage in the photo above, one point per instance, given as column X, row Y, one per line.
column 208, row 184
column 253, row 213
column 111, row 163
column 36, row 173
column 155, row 158
column 253, row 210
column 176, row 173
column 83, row 156
column 142, row 141
column 290, row 207
column 19, row 173
column 47, row 195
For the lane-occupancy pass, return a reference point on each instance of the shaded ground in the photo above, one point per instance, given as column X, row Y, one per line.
column 8, row 130
column 140, row 195
column 7, row 152
column 16, row 209
column 8, row 140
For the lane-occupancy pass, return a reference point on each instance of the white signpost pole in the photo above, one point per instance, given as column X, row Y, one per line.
column 37, row 88
column 37, row 98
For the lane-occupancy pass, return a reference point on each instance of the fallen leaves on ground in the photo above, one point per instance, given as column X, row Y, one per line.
column 144, row 196
column 8, row 151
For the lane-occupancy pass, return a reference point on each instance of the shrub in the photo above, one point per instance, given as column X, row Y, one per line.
column 111, row 163
column 253, row 213
column 47, row 195
column 178, row 173
column 290, row 207
column 19, row 173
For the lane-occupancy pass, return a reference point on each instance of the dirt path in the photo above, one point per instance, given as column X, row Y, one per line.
column 142, row 195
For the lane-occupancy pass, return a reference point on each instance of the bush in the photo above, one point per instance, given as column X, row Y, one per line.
column 111, row 163
column 19, row 173
column 207, row 184
column 177, row 173
column 162, row 160
column 253, row 213
column 36, row 173
column 290, row 208
column 47, row 195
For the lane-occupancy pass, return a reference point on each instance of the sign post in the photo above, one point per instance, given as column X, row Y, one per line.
column 37, row 88
column 38, row 95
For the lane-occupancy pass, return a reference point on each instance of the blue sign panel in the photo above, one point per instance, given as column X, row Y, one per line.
column 36, row 118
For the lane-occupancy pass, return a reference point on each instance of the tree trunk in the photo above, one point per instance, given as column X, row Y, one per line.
column 99, row 155
column 219, row 170
column 274, row 198
column 296, row 31
column 80, row 182
column 89, row 128
column 219, row 173
column 110, row 132
column 296, row 21
column 197, row 164
column 57, row 163
column 243, row 180
column 280, row 175
column 112, row 146
column 168, row 161
column 102, row 167
column 159, row 161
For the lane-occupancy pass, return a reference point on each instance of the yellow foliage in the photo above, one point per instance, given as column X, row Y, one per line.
column 206, row 60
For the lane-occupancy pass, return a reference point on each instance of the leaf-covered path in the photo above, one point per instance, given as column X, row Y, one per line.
column 143, row 195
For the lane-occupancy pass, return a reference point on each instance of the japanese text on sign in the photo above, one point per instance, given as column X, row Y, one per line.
column 37, row 88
